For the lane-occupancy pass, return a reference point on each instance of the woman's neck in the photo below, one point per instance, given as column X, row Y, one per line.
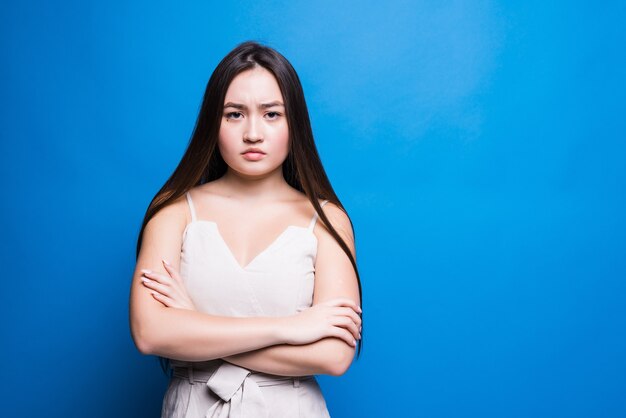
column 255, row 189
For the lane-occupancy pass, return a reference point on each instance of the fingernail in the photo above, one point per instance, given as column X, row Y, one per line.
column 146, row 271
column 165, row 261
column 143, row 279
column 353, row 342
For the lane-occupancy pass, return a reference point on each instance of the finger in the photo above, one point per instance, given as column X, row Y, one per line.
column 344, row 302
column 151, row 284
column 349, row 312
column 347, row 323
column 354, row 328
column 161, row 278
column 175, row 289
column 344, row 335
column 172, row 271
column 163, row 299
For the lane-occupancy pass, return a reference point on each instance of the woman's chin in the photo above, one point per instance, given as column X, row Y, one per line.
column 256, row 172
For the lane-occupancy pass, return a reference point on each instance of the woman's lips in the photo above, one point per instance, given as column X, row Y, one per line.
column 253, row 155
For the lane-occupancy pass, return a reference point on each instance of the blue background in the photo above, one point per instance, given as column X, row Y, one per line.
column 478, row 147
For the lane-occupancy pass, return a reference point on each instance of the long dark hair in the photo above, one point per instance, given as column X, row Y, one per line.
column 202, row 161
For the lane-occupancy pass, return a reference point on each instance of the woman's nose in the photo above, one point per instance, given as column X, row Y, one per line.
column 253, row 132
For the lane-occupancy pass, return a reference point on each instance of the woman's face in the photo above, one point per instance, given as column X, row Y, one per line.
column 254, row 118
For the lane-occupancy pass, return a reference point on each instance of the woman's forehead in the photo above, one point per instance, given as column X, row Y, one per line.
column 257, row 85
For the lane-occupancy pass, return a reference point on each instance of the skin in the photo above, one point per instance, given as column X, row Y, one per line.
column 164, row 321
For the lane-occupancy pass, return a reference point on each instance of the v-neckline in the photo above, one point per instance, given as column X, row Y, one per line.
column 257, row 256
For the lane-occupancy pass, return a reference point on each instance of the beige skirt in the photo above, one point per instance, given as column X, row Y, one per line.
column 218, row 389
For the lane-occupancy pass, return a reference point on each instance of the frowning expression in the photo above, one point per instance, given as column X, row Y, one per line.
column 254, row 134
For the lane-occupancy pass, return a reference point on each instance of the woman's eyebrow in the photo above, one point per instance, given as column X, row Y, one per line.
column 262, row 105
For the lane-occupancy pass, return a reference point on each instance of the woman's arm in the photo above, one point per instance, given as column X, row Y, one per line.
column 179, row 333
column 185, row 334
column 326, row 356
column 334, row 277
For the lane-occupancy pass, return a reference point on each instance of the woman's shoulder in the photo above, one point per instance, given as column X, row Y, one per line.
column 174, row 212
column 337, row 215
column 340, row 222
column 303, row 203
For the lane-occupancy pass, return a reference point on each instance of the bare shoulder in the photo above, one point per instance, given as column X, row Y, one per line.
column 340, row 221
column 175, row 213
column 162, row 236
column 337, row 216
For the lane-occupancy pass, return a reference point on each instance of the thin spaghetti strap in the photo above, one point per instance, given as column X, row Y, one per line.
column 312, row 224
column 191, row 207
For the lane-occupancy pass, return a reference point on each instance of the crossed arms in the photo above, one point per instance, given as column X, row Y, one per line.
column 318, row 340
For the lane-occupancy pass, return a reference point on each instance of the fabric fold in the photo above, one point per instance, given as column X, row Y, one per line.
column 238, row 393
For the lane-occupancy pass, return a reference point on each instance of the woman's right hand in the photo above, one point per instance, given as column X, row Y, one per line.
column 338, row 318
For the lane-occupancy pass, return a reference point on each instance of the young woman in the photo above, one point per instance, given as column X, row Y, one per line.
column 237, row 285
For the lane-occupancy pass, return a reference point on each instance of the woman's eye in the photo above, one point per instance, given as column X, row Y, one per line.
column 231, row 115
column 273, row 115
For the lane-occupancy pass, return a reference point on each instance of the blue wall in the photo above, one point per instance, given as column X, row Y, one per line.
column 478, row 146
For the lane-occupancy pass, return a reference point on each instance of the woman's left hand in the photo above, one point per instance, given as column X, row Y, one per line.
column 168, row 289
